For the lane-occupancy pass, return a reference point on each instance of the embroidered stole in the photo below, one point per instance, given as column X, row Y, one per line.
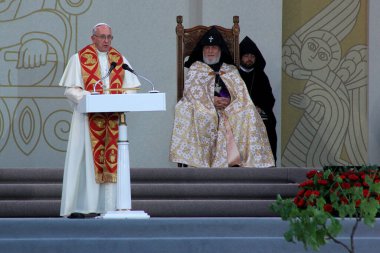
column 104, row 130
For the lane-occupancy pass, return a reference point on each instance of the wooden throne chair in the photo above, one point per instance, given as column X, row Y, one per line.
column 188, row 38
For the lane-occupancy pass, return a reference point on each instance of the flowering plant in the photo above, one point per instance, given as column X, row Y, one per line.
column 324, row 199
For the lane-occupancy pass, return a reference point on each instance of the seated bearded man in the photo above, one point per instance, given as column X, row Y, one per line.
column 216, row 123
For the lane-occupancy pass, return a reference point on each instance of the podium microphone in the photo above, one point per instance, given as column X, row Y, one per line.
column 126, row 67
column 113, row 65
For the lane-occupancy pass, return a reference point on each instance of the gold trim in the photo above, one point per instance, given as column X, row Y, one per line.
column 118, row 89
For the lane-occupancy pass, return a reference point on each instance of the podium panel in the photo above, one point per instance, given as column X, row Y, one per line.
column 137, row 102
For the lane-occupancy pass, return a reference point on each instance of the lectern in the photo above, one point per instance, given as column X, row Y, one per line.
column 123, row 103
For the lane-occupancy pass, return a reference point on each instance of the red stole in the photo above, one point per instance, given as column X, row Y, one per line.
column 104, row 130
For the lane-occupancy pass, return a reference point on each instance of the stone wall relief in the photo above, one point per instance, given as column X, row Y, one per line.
column 334, row 99
column 38, row 37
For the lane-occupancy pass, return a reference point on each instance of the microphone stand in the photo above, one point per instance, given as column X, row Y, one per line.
column 96, row 84
column 146, row 79
column 126, row 67
column 113, row 65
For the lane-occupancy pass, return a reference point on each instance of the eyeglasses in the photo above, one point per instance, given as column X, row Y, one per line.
column 104, row 37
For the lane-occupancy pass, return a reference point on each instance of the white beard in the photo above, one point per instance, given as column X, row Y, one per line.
column 211, row 61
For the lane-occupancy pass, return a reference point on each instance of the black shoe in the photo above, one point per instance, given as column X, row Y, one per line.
column 76, row 216
column 92, row 215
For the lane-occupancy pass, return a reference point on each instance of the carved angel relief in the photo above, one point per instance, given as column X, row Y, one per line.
column 334, row 101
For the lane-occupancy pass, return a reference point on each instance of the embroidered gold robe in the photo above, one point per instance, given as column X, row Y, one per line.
column 199, row 132
column 103, row 126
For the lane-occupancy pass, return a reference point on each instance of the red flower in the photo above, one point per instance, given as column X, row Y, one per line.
column 301, row 203
column 308, row 193
column 311, row 173
column 307, row 183
column 322, row 182
column 301, row 192
column 336, row 186
column 344, row 200
column 328, row 208
column 353, row 177
column 315, row 193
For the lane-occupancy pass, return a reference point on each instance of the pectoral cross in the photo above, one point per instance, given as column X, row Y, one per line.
column 218, row 87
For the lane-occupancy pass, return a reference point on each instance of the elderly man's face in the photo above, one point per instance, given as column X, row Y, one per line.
column 102, row 38
column 211, row 54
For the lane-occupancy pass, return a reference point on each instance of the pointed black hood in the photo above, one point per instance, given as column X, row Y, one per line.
column 247, row 46
column 211, row 38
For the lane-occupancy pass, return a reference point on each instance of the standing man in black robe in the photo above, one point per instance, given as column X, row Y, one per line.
column 252, row 64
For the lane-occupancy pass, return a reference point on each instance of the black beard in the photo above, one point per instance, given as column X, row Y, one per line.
column 247, row 66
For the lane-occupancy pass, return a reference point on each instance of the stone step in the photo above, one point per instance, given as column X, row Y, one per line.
column 211, row 190
column 167, row 235
column 29, row 208
column 30, row 175
column 205, row 208
column 36, row 191
column 155, row 208
column 259, row 175
column 251, row 175
column 161, row 192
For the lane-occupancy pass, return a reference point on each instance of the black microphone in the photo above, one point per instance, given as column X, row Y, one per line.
column 126, row 67
column 112, row 66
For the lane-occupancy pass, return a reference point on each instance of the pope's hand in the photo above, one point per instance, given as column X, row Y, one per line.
column 75, row 94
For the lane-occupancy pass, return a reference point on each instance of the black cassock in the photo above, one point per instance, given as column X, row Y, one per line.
column 261, row 94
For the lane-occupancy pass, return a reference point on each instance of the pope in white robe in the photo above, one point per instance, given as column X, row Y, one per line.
column 81, row 193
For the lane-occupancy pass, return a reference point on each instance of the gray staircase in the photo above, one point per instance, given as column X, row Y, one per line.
column 166, row 235
column 161, row 192
column 218, row 210
column 30, row 192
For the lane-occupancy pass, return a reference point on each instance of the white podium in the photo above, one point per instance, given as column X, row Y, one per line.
column 123, row 103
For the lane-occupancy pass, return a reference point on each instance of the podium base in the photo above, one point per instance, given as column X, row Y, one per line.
column 125, row 215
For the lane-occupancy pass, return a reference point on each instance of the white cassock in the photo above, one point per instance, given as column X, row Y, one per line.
column 80, row 192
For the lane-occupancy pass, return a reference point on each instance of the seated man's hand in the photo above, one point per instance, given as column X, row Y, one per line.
column 258, row 109
column 221, row 102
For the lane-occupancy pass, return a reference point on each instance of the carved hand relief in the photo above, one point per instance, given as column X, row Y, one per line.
column 333, row 127
column 38, row 38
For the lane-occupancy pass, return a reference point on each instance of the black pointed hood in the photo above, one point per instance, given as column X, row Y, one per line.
column 247, row 46
column 211, row 38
